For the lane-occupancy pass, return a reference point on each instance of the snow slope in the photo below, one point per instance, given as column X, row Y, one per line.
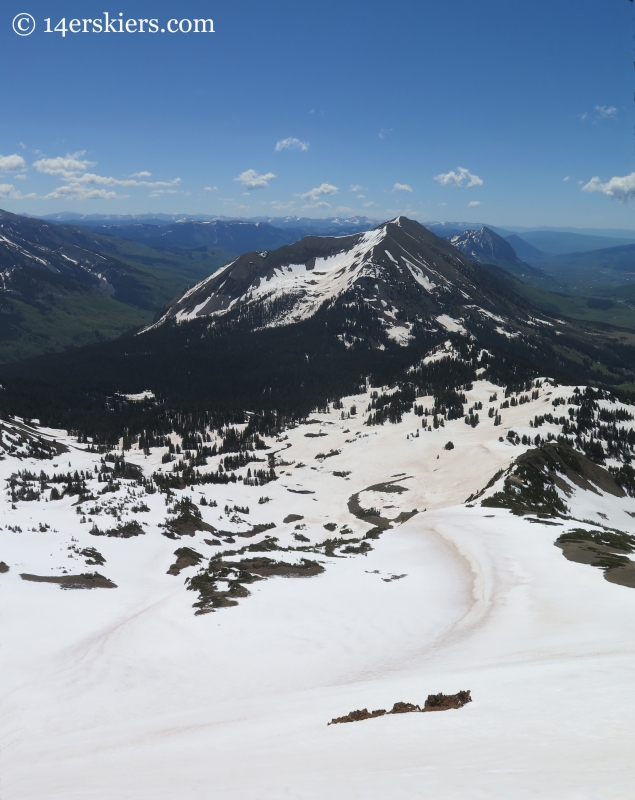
column 125, row 693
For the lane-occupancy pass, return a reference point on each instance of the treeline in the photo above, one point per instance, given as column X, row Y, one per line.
column 227, row 383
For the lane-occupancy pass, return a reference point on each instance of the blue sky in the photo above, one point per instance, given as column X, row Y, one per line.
column 497, row 110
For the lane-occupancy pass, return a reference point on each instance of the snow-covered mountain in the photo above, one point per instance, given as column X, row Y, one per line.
column 399, row 272
column 486, row 247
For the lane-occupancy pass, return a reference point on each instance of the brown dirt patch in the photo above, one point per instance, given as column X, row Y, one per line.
column 85, row 581
column 3, row 567
column 186, row 557
column 267, row 567
column 606, row 549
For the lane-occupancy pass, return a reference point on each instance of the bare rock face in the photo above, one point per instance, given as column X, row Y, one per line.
column 443, row 702
column 357, row 716
column 435, row 702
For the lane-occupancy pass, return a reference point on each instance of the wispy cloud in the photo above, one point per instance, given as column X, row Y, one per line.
column 459, row 178
column 211, row 188
column 355, row 187
column 291, row 144
column 369, row 204
column 401, row 187
column 159, row 192
column 566, row 178
column 282, row 206
column 384, row 133
column 606, row 112
column 141, row 175
column 620, row 188
column 78, row 182
column 12, row 163
column 314, row 195
column 253, row 180
column 474, row 203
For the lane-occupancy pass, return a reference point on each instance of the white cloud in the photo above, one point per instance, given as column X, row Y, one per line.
column 67, row 167
column 12, row 163
column 443, row 204
column 619, row 188
column 252, row 180
column 369, row 204
column 291, row 144
column 8, row 190
column 314, row 194
column 281, row 206
column 583, row 116
column 474, row 203
column 401, row 187
column 566, row 178
column 606, row 112
column 22, row 145
column 141, row 175
column 321, row 204
column 356, row 188
column 458, row 178
column 211, row 188
column 384, row 133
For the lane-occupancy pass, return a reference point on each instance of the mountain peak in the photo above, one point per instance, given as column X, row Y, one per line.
column 399, row 275
column 485, row 246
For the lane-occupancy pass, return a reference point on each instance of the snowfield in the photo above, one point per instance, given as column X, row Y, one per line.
column 126, row 693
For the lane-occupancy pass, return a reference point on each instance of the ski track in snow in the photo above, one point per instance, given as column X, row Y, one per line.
column 124, row 693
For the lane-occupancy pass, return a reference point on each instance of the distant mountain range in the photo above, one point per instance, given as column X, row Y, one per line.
column 331, row 224
column 234, row 236
column 555, row 243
